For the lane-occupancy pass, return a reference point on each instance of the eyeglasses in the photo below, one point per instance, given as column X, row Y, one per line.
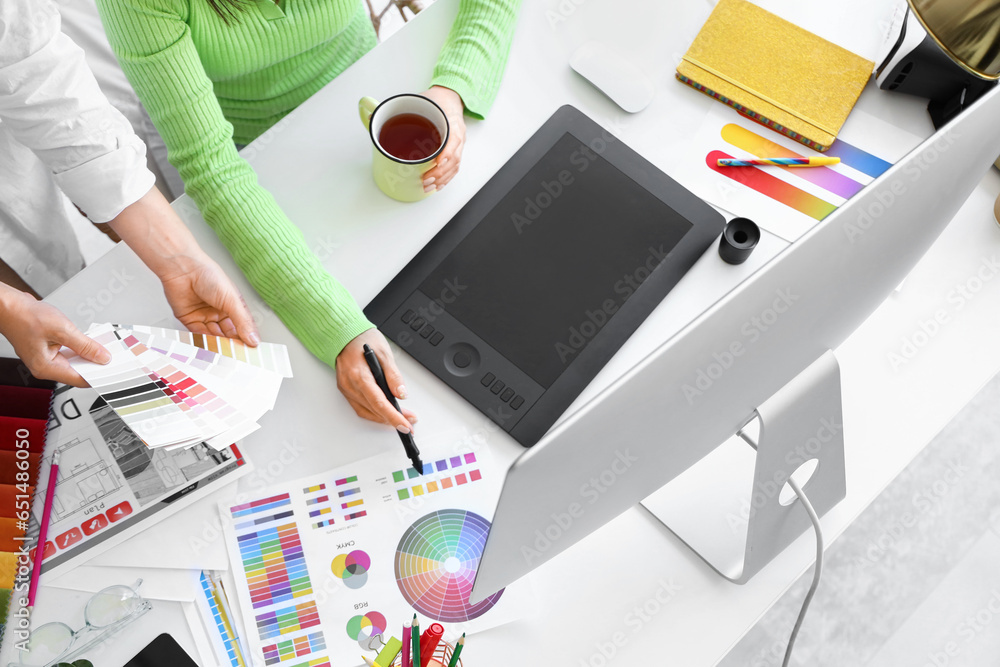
column 107, row 611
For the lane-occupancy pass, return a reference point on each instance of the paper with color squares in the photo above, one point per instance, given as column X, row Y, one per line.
column 324, row 564
column 176, row 389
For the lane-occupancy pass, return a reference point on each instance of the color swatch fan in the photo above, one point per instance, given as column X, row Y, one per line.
column 177, row 389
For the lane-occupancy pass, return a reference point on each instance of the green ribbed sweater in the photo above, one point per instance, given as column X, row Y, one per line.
column 207, row 84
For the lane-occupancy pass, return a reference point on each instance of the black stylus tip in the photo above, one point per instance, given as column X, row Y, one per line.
column 418, row 465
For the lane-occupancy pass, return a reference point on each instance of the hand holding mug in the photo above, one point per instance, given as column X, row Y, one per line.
column 408, row 133
column 449, row 160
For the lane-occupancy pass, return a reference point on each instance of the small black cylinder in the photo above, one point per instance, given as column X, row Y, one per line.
column 738, row 240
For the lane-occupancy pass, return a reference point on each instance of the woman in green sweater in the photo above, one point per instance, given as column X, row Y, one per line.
column 213, row 73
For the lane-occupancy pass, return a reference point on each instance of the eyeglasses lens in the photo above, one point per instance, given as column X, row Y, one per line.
column 47, row 643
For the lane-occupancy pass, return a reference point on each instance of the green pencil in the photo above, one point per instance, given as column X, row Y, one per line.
column 416, row 642
column 458, row 651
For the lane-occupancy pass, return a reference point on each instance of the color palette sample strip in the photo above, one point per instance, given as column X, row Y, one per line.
column 785, row 193
column 287, row 619
column 139, row 398
column 24, row 416
column 406, row 490
column 228, row 640
column 293, row 648
column 269, row 356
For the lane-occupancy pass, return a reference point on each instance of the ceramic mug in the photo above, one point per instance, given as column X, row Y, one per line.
column 400, row 178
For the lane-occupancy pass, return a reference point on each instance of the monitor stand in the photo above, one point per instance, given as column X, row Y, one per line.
column 730, row 507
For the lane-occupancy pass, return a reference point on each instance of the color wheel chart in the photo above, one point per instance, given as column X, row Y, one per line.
column 438, row 476
column 839, row 186
column 436, row 563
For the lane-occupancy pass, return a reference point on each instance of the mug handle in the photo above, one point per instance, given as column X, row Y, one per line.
column 366, row 107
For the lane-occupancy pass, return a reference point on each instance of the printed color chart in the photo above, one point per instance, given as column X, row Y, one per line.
column 338, row 501
column 293, row 648
column 287, row 619
column 410, row 484
column 221, row 626
column 272, row 562
column 436, row 563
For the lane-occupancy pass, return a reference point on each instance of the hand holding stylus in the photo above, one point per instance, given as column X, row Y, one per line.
column 409, row 444
column 355, row 381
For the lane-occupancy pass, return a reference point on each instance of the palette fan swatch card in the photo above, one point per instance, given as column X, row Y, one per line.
column 176, row 389
column 326, row 564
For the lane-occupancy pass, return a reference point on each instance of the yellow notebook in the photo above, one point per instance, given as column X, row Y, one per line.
column 775, row 72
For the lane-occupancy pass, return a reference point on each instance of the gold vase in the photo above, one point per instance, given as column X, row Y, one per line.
column 966, row 30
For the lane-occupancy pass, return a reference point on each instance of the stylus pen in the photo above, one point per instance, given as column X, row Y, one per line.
column 408, row 443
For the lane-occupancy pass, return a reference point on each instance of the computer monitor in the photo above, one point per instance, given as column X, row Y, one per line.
column 645, row 429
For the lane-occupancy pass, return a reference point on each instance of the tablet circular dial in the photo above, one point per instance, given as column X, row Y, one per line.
column 461, row 359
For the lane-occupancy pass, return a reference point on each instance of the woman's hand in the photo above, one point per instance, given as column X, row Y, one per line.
column 355, row 381
column 450, row 158
column 38, row 331
column 206, row 301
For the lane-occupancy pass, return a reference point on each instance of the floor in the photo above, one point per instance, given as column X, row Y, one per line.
column 914, row 582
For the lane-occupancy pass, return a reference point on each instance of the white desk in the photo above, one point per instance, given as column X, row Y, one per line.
column 610, row 587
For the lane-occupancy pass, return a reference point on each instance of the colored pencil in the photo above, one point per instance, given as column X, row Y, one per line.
column 368, row 661
column 415, row 635
column 781, row 162
column 50, row 493
column 406, row 644
column 458, row 651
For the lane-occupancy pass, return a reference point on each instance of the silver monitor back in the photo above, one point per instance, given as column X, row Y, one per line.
column 825, row 285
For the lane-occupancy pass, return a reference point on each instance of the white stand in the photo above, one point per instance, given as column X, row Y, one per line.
column 727, row 508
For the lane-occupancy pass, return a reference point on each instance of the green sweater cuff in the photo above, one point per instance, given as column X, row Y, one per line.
column 474, row 56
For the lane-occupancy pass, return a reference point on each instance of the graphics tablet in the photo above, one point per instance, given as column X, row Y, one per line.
column 521, row 299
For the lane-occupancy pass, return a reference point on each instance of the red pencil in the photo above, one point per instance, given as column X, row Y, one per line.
column 50, row 493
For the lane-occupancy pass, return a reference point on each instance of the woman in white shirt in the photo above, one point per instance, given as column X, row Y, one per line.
column 51, row 105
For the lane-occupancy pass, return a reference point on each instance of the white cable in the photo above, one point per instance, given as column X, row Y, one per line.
column 817, row 571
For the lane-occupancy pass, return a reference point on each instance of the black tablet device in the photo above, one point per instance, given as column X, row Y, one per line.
column 521, row 299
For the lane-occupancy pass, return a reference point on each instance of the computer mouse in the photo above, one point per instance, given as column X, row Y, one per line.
column 613, row 75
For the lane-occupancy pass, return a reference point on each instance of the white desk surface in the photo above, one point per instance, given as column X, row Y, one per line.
column 606, row 593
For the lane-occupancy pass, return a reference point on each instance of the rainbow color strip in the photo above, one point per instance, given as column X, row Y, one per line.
column 772, row 187
column 828, row 179
column 785, row 193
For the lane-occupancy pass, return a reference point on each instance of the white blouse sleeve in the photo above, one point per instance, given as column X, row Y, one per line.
column 51, row 103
